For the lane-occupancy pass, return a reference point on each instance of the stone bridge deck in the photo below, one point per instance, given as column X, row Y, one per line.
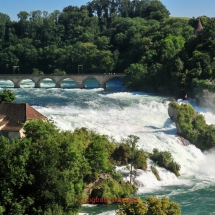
column 57, row 79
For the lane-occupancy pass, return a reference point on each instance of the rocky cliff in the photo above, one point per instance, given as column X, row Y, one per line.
column 172, row 112
column 192, row 126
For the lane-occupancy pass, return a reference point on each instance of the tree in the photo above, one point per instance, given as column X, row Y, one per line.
column 7, row 95
column 151, row 206
column 42, row 173
column 156, row 10
column 136, row 76
column 59, row 72
column 131, row 141
column 23, row 16
column 37, row 72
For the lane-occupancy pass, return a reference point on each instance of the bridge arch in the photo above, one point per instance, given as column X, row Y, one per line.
column 113, row 77
column 88, row 78
column 11, row 83
column 18, row 83
column 40, row 80
column 60, row 82
column 114, row 83
column 80, row 80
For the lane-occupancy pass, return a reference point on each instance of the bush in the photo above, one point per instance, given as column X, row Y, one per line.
column 7, row 95
column 164, row 159
column 155, row 172
column 111, row 189
column 150, row 206
column 59, row 72
column 140, row 160
column 37, row 72
column 122, row 154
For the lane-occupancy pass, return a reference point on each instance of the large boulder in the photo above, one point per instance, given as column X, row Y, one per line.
column 192, row 126
column 172, row 112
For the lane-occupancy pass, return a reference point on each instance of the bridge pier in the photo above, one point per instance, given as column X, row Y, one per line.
column 80, row 85
column 37, row 85
column 102, row 85
column 57, row 85
column 17, row 85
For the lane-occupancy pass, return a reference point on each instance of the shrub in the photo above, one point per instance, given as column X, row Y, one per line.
column 164, row 159
column 111, row 189
column 155, row 172
column 37, row 72
column 151, row 206
column 7, row 95
column 59, row 72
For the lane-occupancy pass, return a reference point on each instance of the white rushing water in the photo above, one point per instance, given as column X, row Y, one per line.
column 120, row 114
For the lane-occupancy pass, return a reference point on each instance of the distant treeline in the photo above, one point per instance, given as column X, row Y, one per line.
column 158, row 53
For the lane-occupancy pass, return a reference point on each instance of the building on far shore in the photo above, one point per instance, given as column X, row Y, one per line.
column 198, row 28
column 13, row 116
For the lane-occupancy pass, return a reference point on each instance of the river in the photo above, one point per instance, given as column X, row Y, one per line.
column 118, row 113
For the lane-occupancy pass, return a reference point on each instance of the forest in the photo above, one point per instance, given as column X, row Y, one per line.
column 157, row 52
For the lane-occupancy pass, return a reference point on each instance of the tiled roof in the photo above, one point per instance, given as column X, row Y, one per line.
column 13, row 115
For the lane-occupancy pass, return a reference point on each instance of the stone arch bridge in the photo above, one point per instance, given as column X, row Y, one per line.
column 57, row 79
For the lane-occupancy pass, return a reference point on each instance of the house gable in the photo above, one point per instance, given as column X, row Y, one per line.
column 14, row 115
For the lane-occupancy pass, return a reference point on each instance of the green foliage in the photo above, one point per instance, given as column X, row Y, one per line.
column 7, row 95
column 150, row 206
column 121, row 154
column 98, row 156
column 37, row 72
column 111, row 189
column 59, row 72
column 47, row 171
column 155, row 172
column 156, row 52
column 140, row 160
column 128, row 153
column 164, row 159
column 194, row 127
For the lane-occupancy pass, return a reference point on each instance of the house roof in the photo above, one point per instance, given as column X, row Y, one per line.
column 13, row 115
column 199, row 26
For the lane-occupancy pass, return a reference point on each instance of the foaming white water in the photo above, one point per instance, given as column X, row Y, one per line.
column 108, row 213
column 206, row 169
column 118, row 115
column 144, row 115
column 146, row 180
column 139, row 114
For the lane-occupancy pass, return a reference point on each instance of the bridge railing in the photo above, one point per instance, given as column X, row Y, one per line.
column 87, row 74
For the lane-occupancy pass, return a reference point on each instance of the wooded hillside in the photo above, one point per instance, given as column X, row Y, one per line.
column 157, row 52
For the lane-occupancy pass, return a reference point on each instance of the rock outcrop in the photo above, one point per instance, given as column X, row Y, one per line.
column 192, row 126
column 173, row 116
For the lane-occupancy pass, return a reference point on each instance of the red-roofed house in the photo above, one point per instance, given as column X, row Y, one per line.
column 13, row 116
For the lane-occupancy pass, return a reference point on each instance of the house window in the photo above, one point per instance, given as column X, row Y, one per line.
column 5, row 133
